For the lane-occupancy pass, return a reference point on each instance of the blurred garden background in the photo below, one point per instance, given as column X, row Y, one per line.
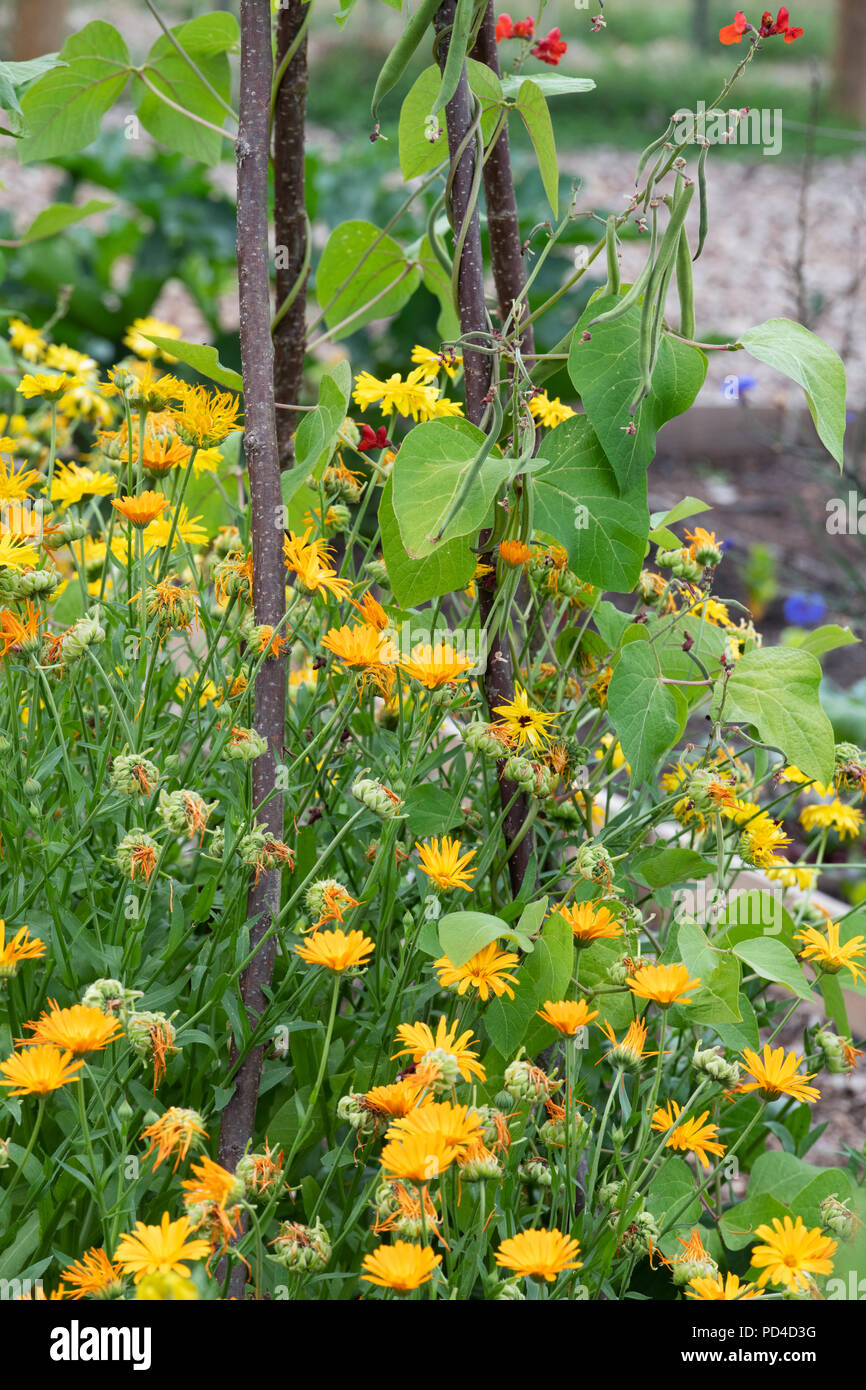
column 786, row 238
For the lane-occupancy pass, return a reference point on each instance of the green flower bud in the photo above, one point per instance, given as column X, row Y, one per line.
column 838, row 1219
column 536, row 1171
column 637, row 1238
column 302, row 1249
column 352, row 1111
column 133, row 775
column 523, row 1081
column 479, row 739
column 608, row 1192
column 711, row 1062
column 521, row 772
column 481, row 1167
column 87, row 632
column 245, row 746
column 38, row 583
column 377, row 798
column 137, row 854
column 184, row 812
column 114, row 1000
column 509, row 1291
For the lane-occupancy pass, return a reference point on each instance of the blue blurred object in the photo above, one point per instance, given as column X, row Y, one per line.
column 804, row 610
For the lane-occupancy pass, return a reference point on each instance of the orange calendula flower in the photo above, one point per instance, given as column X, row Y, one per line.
column 17, row 635
column 630, row 1053
column 540, row 1254
column 362, row 648
column 401, row 1266
column 454, row 1124
column 174, row 1133
column 827, row 952
column 418, row 1158
column 93, row 1276
column 692, row 1136
column 452, row 1054
column 721, row 1288
column 310, row 562
column 21, row 947
column 399, row 1098
column 486, row 971
column 337, row 950
column 212, row 1184
column 435, row 666
column 162, row 1249
column 567, row 1015
column 514, row 552
column 444, row 864
column 142, row 510
column 663, row 984
column 37, row 1070
column 370, row 608
column 776, row 1074
column 76, row 1029
column 590, row 922
column 162, row 452
column 792, row 1253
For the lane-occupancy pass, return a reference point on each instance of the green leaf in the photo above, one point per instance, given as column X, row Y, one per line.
column 834, row 1002
column 207, row 39
column 552, row 85
column 773, row 961
column 812, row 363
column 660, row 521
column 450, row 567
column 647, row 715
column 438, row 283
column 738, row 1223
column 417, row 154
column 53, row 219
column 316, row 436
column 578, row 502
column 386, row 277
column 429, row 472
column 719, row 973
column 606, row 372
column 736, row 1036
column 63, row 110
column 776, row 690
column 15, row 75
column 430, row 811
column 463, row 934
column 543, row 975
column 659, row 867
column 202, row 358
column 536, row 117
column 669, row 1188
column 823, row 639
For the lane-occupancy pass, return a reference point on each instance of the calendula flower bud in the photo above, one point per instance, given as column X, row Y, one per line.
column 509, row 1291
column 325, row 891
column 352, row 1111
column 503, row 1101
column 833, row 1050
column 536, row 1171
column 666, row 559
column 564, row 811
column 123, row 379
column 378, row 573
column 4, row 1153
column 38, row 583
column 488, row 1116
column 480, row 1165
column 711, row 1062
column 87, row 632
column 479, row 739
column 349, row 434
column 637, row 1238
column 133, row 775
column 151, row 1037
column 184, row 812
column 836, row 1217
column 568, row 585
column 125, row 1112
column 244, row 746
column 31, row 787
column 651, row 587
column 521, row 772
column 847, row 753
column 137, row 855
column 217, row 847
column 111, row 997
column 386, row 1201
column 232, row 577
column 448, row 1069
column 608, row 1192
column 302, row 1249
column 553, row 1131
column 593, row 863
column 524, row 1081
column 165, row 1288
column 688, row 1266
column 261, row 852
column 377, row 798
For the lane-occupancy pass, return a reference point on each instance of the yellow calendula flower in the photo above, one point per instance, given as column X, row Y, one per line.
column 51, row 386
column 567, row 1015
column 589, row 922
column 435, row 362
column 188, row 531
column 448, row 1051
column 162, row 452
column 205, row 418
column 76, row 1029
column 27, row 341
column 522, row 722
column 141, row 345
column 834, row 815
column 73, row 481
column 401, row 1266
column 162, row 1249
column 721, row 1287
column 15, row 483
column 761, row 840
column 444, row 864
column 21, row 947
column 827, row 952
column 776, row 1074
column 712, row 612
column 310, row 561
column 486, row 971
column 514, row 553
column 15, row 554
column 540, row 1254
column 444, row 409
column 691, row 1135
column 549, row 413
column 93, row 1276
column 35, row 1071
column 337, row 950
column 802, row 876
column 663, row 984
column 436, row 666
column 792, row 1253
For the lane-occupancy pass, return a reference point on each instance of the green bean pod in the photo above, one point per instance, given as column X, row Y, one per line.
column 685, row 286
column 614, row 277
column 457, row 46
column 398, row 59
column 702, row 194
